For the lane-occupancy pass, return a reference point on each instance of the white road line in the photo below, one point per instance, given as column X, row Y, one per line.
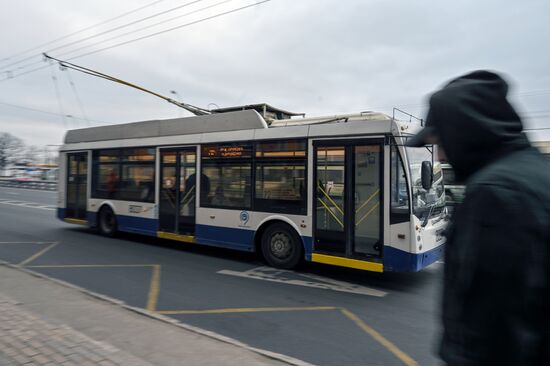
column 282, row 276
column 39, row 206
column 2, row 189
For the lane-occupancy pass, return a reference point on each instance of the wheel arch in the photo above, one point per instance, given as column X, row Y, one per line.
column 268, row 221
column 100, row 207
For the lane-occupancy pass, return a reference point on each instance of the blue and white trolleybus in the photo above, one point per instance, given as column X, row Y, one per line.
column 340, row 190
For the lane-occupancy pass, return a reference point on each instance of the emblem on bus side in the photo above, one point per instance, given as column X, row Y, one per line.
column 244, row 217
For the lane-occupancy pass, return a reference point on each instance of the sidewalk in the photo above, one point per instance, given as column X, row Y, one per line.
column 43, row 322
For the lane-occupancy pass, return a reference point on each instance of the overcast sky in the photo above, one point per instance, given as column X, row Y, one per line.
column 313, row 56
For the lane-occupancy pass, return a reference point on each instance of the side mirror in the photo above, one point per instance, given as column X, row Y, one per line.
column 427, row 174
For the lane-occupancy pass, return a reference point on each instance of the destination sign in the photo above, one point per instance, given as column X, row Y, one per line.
column 233, row 151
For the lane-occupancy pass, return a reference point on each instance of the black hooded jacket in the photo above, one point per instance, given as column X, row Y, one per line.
column 496, row 296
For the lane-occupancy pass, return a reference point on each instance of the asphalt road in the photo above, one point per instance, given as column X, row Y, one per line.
column 320, row 314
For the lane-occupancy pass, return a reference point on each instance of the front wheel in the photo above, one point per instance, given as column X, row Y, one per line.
column 281, row 246
column 107, row 224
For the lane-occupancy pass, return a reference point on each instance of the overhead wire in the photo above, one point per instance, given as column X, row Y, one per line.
column 144, row 37
column 74, row 33
column 104, row 32
column 144, row 28
column 58, row 95
column 171, row 29
column 31, row 109
column 77, row 96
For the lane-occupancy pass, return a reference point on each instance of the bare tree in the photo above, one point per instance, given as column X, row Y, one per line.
column 10, row 148
column 31, row 154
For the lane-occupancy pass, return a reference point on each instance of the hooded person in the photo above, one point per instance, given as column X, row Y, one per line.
column 496, row 294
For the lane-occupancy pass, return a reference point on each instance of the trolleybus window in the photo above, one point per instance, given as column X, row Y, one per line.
column 281, row 177
column 127, row 174
column 229, row 171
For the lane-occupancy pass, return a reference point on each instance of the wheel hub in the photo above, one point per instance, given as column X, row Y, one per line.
column 280, row 245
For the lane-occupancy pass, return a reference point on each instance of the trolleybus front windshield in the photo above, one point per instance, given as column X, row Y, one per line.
column 425, row 202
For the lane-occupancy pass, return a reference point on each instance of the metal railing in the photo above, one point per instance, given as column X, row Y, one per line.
column 43, row 185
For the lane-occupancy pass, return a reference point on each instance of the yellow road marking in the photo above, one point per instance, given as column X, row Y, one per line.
column 35, row 256
column 347, row 262
column 154, row 288
column 392, row 348
column 406, row 359
column 246, row 310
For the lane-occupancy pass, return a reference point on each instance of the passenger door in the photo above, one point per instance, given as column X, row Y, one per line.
column 77, row 185
column 348, row 195
column 178, row 190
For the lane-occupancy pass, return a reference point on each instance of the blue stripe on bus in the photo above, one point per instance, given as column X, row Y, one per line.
column 397, row 260
column 137, row 225
column 308, row 247
column 92, row 218
column 240, row 239
column 61, row 213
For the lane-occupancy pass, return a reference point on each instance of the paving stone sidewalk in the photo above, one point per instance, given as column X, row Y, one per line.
column 43, row 322
column 26, row 339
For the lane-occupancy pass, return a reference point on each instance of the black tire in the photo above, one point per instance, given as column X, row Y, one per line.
column 281, row 246
column 106, row 223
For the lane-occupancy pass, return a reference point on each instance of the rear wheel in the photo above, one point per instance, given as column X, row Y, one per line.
column 107, row 224
column 281, row 246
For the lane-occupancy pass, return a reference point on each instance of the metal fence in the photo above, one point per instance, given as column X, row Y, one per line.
column 44, row 185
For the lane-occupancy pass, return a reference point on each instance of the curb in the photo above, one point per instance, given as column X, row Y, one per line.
column 165, row 319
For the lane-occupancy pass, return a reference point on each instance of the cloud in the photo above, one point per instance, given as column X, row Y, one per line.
column 313, row 56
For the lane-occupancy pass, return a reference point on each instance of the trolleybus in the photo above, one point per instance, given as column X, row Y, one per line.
column 341, row 190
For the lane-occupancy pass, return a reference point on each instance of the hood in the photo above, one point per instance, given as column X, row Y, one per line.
column 475, row 122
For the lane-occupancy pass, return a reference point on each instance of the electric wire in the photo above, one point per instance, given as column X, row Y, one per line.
column 77, row 96
column 171, row 29
column 31, row 109
column 74, row 33
column 143, row 28
column 143, row 37
column 58, row 95
column 106, row 32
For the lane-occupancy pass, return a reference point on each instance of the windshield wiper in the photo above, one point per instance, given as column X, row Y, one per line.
column 425, row 222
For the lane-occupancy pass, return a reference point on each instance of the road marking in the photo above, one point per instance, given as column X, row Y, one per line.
column 406, row 359
column 39, row 206
column 13, row 193
column 40, row 253
column 25, row 242
column 245, row 310
column 388, row 345
column 90, row 265
column 284, row 276
column 154, row 288
column 27, row 189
